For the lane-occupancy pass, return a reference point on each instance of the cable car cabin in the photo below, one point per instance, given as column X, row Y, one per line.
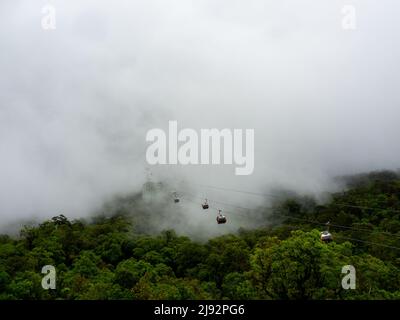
column 205, row 205
column 326, row 236
column 221, row 219
column 176, row 198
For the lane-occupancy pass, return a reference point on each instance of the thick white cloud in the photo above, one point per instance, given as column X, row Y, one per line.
column 76, row 102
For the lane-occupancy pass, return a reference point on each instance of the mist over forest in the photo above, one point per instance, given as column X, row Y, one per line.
column 77, row 101
column 82, row 83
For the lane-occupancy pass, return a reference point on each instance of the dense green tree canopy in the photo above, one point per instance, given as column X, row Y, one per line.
column 285, row 259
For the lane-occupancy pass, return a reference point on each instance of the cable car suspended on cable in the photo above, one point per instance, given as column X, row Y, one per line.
column 205, row 205
column 176, row 198
column 326, row 236
column 220, row 218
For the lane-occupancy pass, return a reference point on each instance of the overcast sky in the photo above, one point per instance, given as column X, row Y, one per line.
column 76, row 102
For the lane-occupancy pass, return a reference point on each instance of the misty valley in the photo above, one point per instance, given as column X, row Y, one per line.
column 199, row 159
column 120, row 253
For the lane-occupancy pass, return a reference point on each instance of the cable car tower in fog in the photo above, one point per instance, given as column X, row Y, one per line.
column 150, row 189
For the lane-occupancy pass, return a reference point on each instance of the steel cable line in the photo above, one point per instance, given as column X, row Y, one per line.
column 336, row 236
column 216, row 201
column 302, row 219
column 321, row 223
column 339, row 204
column 278, row 196
column 368, row 242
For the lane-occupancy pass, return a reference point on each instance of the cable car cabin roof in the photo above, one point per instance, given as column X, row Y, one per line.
column 325, row 234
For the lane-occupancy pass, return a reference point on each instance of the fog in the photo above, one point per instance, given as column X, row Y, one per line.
column 76, row 102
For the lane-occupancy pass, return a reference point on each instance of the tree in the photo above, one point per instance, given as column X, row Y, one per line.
column 298, row 267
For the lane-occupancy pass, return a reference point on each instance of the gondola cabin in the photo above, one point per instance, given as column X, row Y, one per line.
column 220, row 218
column 176, row 198
column 326, row 236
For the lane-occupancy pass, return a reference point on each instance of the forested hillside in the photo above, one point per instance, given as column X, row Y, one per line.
column 108, row 258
